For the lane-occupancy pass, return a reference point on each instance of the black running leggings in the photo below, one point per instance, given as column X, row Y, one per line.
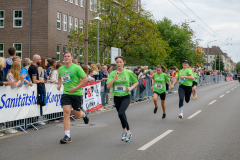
column 184, row 91
column 121, row 104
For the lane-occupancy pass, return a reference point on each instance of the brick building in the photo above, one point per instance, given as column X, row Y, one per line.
column 40, row 26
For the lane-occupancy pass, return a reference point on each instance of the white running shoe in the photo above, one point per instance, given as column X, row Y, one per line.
column 181, row 116
column 128, row 137
column 124, row 135
column 1, row 134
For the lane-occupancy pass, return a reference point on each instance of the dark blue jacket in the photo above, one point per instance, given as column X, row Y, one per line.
column 9, row 62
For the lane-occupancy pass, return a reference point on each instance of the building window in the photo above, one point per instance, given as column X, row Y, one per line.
column 76, row 24
column 1, row 19
column 1, row 50
column 95, row 5
column 71, row 1
column 81, row 3
column 76, row 2
column 64, row 49
column 58, row 21
column 91, row 5
column 70, row 23
column 58, row 52
column 18, row 47
column 81, row 25
column 65, row 22
column 17, row 18
column 210, row 56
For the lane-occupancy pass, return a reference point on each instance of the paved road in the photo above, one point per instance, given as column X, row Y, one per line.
column 212, row 134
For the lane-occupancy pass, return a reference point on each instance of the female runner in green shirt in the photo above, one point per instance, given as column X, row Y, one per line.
column 159, row 89
column 120, row 79
column 185, row 77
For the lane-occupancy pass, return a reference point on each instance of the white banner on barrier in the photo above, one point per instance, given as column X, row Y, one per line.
column 92, row 96
column 53, row 99
column 21, row 103
column 18, row 103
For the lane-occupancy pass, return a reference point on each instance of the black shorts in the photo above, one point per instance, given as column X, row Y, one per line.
column 162, row 95
column 75, row 101
column 194, row 84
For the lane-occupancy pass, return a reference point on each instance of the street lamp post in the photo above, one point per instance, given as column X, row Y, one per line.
column 86, row 34
column 208, row 51
column 98, row 19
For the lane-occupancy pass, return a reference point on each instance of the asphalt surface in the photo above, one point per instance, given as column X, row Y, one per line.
column 212, row 134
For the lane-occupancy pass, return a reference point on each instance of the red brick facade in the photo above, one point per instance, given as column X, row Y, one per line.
column 44, row 33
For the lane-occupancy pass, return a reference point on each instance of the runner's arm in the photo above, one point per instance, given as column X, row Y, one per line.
column 82, row 83
column 59, row 81
column 191, row 77
column 109, row 85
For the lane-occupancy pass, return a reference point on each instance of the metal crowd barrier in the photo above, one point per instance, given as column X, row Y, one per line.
column 141, row 92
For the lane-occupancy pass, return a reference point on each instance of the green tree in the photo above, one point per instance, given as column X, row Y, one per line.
column 217, row 63
column 134, row 32
column 238, row 67
column 181, row 43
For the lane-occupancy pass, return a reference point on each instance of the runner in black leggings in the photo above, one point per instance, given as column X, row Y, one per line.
column 120, row 79
column 185, row 77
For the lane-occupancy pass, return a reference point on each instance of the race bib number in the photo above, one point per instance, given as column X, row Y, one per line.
column 120, row 88
column 66, row 78
column 158, row 86
column 182, row 80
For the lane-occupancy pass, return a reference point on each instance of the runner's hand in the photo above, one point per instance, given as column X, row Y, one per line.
column 72, row 90
column 116, row 75
column 129, row 89
column 152, row 88
column 181, row 77
column 58, row 88
column 172, row 87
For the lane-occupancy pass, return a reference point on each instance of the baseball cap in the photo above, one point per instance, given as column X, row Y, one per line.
column 186, row 61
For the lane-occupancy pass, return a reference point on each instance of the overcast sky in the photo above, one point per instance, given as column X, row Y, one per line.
column 222, row 16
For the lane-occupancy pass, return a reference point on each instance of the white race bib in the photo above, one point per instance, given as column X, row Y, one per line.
column 158, row 86
column 66, row 78
column 120, row 88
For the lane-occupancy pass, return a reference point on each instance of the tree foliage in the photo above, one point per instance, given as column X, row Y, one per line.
column 181, row 43
column 135, row 33
column 143, row 41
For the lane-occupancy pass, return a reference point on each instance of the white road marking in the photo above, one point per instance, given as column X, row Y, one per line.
column 212, row 102
column 221, row 96
column 149, row 144
column 227, row 91
column 232, row 89
column 190, row 117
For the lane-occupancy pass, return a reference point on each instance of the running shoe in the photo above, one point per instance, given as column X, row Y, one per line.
column 124, row 135
column 128, row 137
column 86, row 119
column 155, row 110
column 65, row 140
column 195, row 95
column 181, row 116
column 163, row 116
